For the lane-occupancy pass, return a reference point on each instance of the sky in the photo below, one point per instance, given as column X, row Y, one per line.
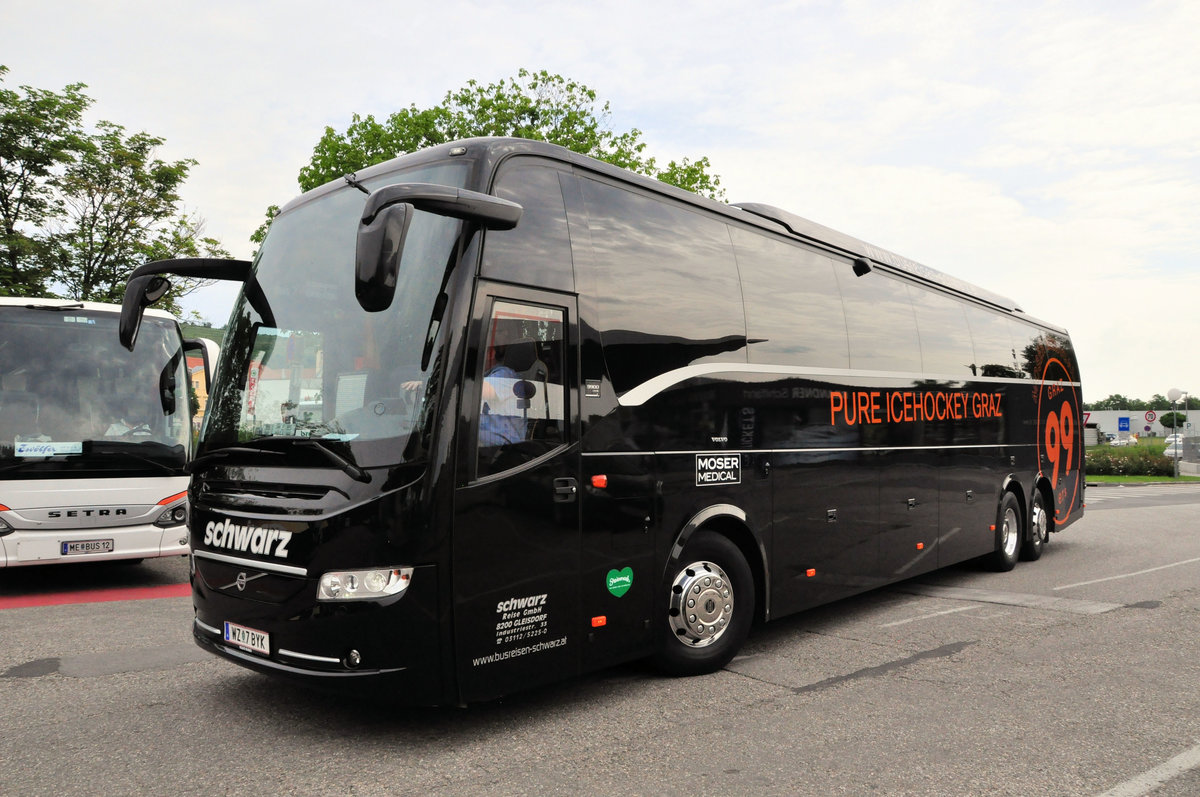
column 1047, row 151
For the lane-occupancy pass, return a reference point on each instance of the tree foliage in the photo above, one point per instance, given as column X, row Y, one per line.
column 81, row 209
column 1116, row 401
column 40, row 132
column 1173, row 420
column 533, row 105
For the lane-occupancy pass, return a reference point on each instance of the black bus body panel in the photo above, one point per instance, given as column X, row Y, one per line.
column 846, row 431
column 243, row 573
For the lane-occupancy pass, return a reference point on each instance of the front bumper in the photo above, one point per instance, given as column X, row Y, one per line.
column 48, row 546
column 388, row 648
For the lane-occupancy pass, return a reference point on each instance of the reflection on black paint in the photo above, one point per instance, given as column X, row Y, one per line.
column 634, row 358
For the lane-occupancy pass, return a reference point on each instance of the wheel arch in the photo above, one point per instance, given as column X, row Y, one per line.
column 732, row 523
column 1013, row 485
column 1043, row 486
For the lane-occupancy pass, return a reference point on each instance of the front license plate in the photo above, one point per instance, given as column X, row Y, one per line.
column 87, row 546
column 248, row 638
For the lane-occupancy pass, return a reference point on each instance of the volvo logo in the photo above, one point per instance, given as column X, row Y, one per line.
column 241, row 581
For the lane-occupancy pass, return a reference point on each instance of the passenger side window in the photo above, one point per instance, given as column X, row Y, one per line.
column 522, row 412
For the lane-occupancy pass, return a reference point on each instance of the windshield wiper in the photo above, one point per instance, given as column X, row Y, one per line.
column 143, row 460
column 207, row 459
column 76, row 306
column 352, row 470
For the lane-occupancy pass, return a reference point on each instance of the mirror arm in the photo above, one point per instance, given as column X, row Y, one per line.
column 492, row 212
column 136, row 297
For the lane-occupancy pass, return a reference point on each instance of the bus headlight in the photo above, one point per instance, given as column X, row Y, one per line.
column 174, row 511
column 357, row 585
column 175, row 516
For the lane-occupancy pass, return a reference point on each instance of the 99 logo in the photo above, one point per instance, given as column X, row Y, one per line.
column 1058, row 436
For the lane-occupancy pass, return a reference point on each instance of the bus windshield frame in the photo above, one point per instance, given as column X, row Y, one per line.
column 304, row 363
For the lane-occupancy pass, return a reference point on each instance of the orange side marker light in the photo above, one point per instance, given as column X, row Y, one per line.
column 597, row 622
column 600, row 481
column 920, row 546
column 812, row 571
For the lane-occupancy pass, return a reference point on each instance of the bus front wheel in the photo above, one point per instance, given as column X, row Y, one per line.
column 1008, row 534
column 709, row 607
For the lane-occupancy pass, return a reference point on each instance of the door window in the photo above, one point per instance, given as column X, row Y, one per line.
column 522, row 412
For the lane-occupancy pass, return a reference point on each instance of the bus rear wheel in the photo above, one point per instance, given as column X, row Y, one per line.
column 1039, row 528
column 1008, row 535
column 709, row 607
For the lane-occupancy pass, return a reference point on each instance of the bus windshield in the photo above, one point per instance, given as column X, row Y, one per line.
column 74, row 402
column 306, row 362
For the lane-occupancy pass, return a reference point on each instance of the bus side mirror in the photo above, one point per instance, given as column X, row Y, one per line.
column 384, row 225
column 377, row 256
column 147, row 285
column 140, row 293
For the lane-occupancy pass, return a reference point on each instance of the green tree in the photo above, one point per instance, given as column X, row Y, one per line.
column 1172, row 420
column 1114, row 402
column 114, row 196
column 533, row 105
column 40, row 132
column 79, row 210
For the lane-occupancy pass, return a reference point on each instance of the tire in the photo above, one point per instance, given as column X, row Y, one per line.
column 1039, row 529
column 1008, row 535
column 707, row 607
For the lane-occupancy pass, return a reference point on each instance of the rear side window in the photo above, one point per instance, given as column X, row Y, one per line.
column 793, row 306
column 995, row 354
column 666, row 282
column 945, row 336
column 880, row 322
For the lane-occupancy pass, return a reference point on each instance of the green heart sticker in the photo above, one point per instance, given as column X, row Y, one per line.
column 619, row 581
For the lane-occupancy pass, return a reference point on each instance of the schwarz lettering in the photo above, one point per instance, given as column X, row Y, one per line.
column 262, row 540
column 513, row 604
column 863, row 407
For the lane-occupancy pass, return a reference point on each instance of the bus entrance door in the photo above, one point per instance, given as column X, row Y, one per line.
column 516, row 535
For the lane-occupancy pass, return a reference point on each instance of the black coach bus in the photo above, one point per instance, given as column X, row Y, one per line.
column 493, row 413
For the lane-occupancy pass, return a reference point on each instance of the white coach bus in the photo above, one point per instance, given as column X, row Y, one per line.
column 93, row 439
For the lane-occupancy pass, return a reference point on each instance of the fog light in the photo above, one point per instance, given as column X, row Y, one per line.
column 353, row 658
column 373, row 584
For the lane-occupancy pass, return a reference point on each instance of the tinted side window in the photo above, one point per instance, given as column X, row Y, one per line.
column 667, row 284
column 945, row 336
column 994, row 352
column 538, row 250
column 880, row 322
column 522, row 412
column 1037, row 346
column 793, row 306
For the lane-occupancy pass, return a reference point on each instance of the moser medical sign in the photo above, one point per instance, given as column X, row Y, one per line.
column 718, row 469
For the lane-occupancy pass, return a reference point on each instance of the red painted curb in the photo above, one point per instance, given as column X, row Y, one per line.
column 95, row 596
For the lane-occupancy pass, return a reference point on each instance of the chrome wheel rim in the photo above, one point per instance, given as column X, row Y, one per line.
column 701, row 604
column 1009, row 537
column 1041, row 524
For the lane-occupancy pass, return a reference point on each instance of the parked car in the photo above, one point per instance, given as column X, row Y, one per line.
column 1173, row 438
column 1174, row 451
column 1123, row 441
